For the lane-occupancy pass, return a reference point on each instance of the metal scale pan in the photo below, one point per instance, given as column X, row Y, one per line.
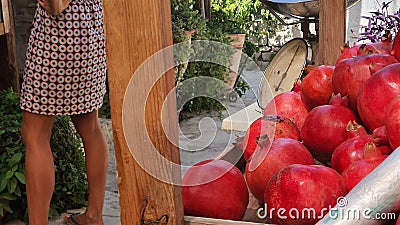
column 298, row 9
column 284, row 69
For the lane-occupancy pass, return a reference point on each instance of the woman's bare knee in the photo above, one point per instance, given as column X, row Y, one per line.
column 36, row 128
column 86, row 124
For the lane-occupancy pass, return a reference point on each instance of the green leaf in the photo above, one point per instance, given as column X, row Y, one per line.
column 20, row 176
column 9, row 174
column 12, row 185
column 7, row 208
column 7, row 196
column 3, row 184
column 2, row 210
column 15, row 168
column 15, row 159
column 17, row 191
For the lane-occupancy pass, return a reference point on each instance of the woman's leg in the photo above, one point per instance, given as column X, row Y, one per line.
column 96, row 152
column 39, row 165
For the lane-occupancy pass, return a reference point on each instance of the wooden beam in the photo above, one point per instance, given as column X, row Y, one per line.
column 136, row 30
column 2, row 31
column 12, row 46
column 6, row 15
column 332, row 30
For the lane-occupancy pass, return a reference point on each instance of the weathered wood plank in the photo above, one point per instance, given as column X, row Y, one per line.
column 135, row 30
column 12, row 48
column 332, row 30
column 6, row 15
column 2, row 31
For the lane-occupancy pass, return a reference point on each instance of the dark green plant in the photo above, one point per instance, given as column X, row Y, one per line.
column 70, row 190
column 185, row 18
column 12, row 185
column 243, row 16
column 70, row 187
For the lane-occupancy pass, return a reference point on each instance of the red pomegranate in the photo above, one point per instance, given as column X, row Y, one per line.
column 316, row 87
column 355, row 130
column 396, row 47
column 215, row 189
column 381, row 140
column 392, row 123
column 297, row 188
column 289, row 105
column 352, row 149
column 325, row 128
column 270, row 158
column 376, row 94
column 350, row 74
column 354, row 173
column 384, row 47
column 380, row 136
column 274, row 126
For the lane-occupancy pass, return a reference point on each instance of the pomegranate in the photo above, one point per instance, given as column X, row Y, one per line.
column 354, row 173
column 290, row 105
column 380, row 136
column 325, row 128
column 216, row 189
column 270, row 158
column 294, row 190
column 350, row 150
column 384, row 46
column 396, row 46
column 355, row 130
column 350, row 74
column 347, row 52
column 316, row 87
column 376, row 94
column 274, row 126
column 392, row 123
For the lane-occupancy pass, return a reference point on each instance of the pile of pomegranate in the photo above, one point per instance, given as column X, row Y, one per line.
column 315, row 143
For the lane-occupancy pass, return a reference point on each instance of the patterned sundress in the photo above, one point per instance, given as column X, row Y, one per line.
column 65, row 69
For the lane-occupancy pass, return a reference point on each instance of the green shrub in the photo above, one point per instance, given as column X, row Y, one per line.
column 71, row 185
column 243, row 16
column 186, row 18
column 70, row 189
column 12, row 185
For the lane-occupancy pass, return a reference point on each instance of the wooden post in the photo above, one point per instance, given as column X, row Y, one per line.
column 135, row 30
column 332, row 30
column 8, row 65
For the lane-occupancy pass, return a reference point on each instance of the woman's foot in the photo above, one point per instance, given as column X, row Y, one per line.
column 73, row 219
column 79, row 219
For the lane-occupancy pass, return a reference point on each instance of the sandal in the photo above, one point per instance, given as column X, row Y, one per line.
column 70, row 218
